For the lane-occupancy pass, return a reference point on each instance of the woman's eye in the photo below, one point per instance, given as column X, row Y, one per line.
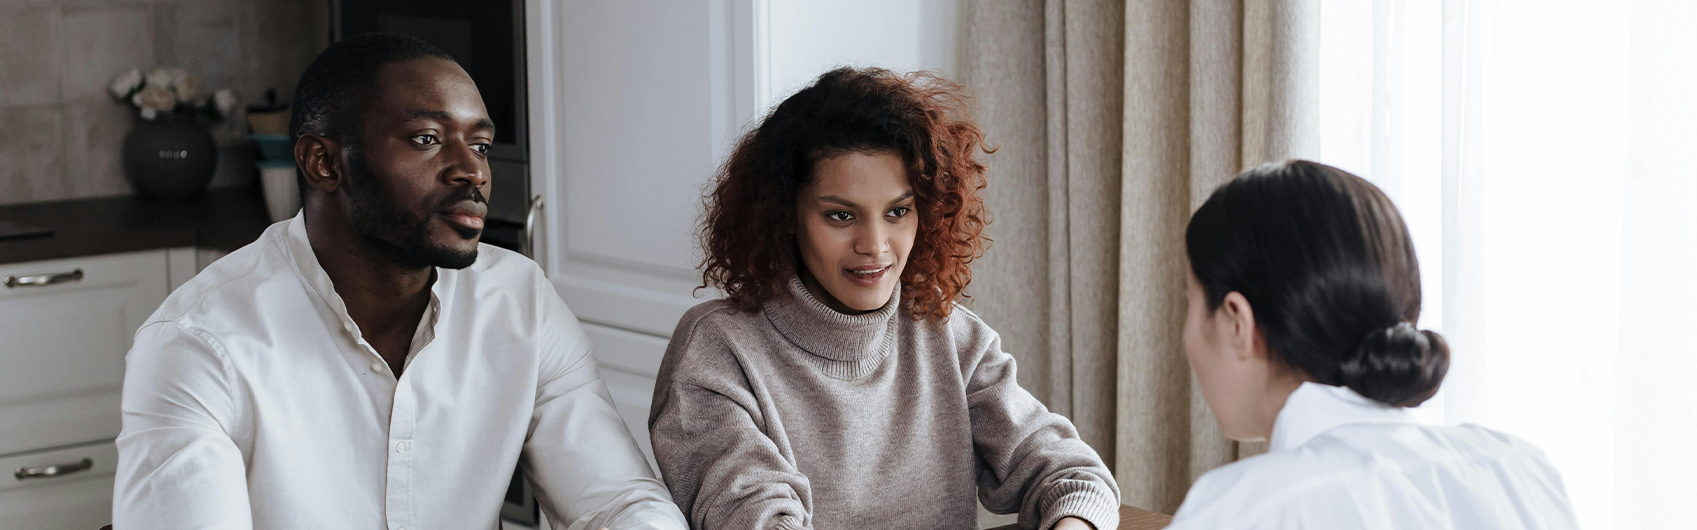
column 425, row 139
column 899, row 211
column 839, row 216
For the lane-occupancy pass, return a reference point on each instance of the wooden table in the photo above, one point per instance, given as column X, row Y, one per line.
column 1130, row 519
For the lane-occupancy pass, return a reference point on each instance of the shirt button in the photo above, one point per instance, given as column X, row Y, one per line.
column 377, row 367
column 348, row 326
column 401, row 447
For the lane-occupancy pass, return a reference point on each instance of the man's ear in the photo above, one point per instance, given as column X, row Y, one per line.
column 1238, row 321
column 320, row 160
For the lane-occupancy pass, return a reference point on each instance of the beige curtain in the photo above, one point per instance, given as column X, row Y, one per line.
column 1114, row 121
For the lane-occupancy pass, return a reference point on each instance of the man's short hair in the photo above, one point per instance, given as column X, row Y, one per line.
column 335, row 89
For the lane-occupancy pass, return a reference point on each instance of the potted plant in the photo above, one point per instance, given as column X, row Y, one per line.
column 169, row 153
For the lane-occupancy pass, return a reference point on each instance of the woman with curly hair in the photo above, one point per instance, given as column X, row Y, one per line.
column 838, row 384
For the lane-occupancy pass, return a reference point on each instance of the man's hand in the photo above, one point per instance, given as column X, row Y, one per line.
column 1072, row 523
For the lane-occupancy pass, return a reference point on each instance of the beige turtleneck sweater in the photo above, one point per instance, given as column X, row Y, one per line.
column 800, row 417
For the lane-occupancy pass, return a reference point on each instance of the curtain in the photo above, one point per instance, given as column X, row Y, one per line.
column 1542, row 152
column 1049, row 103
column 1115, row 120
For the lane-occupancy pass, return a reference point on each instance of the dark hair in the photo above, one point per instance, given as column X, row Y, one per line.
column 748, row 233
column 1327, row 265
column 342, row 80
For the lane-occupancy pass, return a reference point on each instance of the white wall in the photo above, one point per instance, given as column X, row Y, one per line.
column 807, row 38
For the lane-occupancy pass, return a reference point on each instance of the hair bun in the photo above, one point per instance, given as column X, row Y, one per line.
column 1397, row 365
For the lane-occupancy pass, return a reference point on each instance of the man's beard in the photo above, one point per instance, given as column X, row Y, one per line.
column 391, row 232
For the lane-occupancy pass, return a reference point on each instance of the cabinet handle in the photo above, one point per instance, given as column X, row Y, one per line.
column 527, row 241
column 42, row 280
column 24, row 473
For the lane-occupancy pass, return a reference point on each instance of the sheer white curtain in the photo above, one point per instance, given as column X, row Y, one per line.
column 1543, row 153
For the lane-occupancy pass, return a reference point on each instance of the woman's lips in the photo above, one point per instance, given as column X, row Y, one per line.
column 866, row 276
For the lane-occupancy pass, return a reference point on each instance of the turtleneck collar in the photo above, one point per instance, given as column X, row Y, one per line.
column 847, row 346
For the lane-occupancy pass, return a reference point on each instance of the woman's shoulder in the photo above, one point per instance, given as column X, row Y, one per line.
column 962, row 325
column 703, row 346
column 1477, row 442
column 1321, row 475
column 715, row 328
column 714, row 317
column 1253, row 489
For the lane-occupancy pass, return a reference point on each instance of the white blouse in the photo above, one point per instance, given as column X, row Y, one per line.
column 252, row 400
column 1340, row 460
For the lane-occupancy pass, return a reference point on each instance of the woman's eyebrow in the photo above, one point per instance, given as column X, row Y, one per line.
column 838, row 200
column 851, row 204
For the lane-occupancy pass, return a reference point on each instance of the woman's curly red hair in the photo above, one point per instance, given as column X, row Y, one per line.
column 748, row 233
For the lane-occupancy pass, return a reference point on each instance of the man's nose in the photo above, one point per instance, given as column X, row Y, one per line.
column 467, row 168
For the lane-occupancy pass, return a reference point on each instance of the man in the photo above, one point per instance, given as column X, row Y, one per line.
column 368, row 364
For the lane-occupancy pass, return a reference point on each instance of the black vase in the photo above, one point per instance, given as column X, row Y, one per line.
column 170, row 157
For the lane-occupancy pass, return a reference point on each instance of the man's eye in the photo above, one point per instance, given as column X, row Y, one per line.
column 839, row 216
column 480, row 148
column 899, row 211
column 425, row 139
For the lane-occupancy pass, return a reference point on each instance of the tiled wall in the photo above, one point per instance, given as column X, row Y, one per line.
column 63, row 132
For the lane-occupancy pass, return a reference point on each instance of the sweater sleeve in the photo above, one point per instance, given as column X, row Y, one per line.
column 1034, row 462
column 708, row 437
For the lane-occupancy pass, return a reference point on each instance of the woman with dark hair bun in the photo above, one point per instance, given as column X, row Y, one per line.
column 1304, row 292
column 838, row 384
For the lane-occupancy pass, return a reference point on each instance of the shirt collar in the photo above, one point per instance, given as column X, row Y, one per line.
column 306, row 264
column 1314, row 408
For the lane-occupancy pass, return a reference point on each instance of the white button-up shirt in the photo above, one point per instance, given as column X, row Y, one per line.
column 251, row 401
column 1340, row 460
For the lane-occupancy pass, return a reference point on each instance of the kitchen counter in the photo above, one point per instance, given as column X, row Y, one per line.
column 222, row 219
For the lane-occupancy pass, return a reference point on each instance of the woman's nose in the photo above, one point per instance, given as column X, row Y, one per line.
column 874, row 240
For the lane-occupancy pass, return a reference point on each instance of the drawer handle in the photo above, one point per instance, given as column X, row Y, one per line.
column 55, row 470
column 42, row 280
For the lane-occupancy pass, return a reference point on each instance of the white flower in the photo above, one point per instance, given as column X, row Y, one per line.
column 126, row 82
column 152, row 100
column 165, row 77
column 187, row 88
column 225, row 100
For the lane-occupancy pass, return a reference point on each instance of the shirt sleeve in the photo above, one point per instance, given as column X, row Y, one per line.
column 587, row 469
column 178, row 466
column 1034, row 461
column 724, row 471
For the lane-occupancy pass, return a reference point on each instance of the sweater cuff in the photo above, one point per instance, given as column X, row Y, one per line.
column 764, row 521
column 1084, row 500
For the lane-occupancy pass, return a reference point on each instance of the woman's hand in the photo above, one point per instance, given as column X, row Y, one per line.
column 1072, row 523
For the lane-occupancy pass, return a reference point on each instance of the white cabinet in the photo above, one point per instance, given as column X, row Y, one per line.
column 69, row 487
column 632, row 109
column 65, row 326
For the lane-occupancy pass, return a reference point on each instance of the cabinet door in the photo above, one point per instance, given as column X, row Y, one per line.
column 68, row 488
column 65, row 326
column 633, row 108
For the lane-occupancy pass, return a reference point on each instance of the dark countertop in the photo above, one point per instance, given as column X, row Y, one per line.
column 222, row 219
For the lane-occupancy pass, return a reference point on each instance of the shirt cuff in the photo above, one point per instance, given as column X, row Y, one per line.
column 1082, row 499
